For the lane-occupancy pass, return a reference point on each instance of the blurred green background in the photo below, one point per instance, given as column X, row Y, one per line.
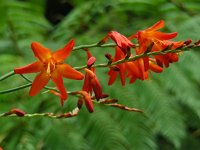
column 171, row 100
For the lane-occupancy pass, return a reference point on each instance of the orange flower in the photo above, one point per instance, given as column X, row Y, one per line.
column 128, row 69
column 133, row 70
column 118, row 69
column 160, row 42
column 91, row 81
column 124, row 43
column 51, row 66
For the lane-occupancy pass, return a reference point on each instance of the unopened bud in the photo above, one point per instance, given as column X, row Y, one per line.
column 79, row 103
column 197, row 43
column 108, row 56
column 91, row 61
column 18, row 112
column 115, row 68
column 187, row 42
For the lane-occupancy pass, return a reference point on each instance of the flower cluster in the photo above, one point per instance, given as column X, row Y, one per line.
column 124, row 63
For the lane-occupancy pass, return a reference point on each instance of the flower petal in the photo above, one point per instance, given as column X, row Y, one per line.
column 97, row 88
column 173, row 57
column 58, row 81
column 87, row 85
column 88, row 103
column 141, row 66
column 155, row 67
column 165, row 36
column 61, row 54
column 39, row 82
column 41, row 52
column 31, row 68
column 113, row 76
column 68, row 72
column 87, row 99
column 133, row 69
column 158, row 25
column 122, row 72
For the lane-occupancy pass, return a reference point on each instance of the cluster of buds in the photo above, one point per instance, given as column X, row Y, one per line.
column 51, row 65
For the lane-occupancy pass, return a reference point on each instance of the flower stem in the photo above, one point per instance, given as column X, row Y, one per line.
column 7, row 75
column 93, row 45
column 16, row 89
column 73, row 113
column 46, row 87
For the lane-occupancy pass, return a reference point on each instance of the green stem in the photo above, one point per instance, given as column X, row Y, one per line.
column 7, row 75
column 48, row 115
column 93, row 45
column 25, row 78
column 16, row 89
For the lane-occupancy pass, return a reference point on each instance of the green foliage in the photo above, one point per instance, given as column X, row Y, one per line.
column 170, row 100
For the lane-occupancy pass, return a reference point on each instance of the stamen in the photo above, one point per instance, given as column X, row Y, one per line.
column 49, row 68
column 54, row 65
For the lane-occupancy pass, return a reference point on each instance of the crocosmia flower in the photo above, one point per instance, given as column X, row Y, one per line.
column 51, row 66
column 160, row 42
column 133, row 69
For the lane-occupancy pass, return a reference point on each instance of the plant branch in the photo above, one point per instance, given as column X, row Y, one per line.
column 73, row 113
column 7, row 75
column 15, row 89
column 93, row 45
column 20, row 113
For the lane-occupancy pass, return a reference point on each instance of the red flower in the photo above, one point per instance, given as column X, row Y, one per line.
column 160, row 42
column 127, row 69
column 118, row 69
column 133, row 70
column 124, row 43
column 51, row 66
column 91, row 82
column 85, row 97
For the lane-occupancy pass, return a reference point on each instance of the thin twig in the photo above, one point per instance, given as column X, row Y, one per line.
column 73, row 113
column 93, row 45
column 16, row 89
column 9, row 74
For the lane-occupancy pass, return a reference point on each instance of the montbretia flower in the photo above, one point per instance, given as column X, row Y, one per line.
column 91, row 82
column 118, row 69
column 133, row 69
column 51, row 66
column 160, row 42
column 123, row 42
